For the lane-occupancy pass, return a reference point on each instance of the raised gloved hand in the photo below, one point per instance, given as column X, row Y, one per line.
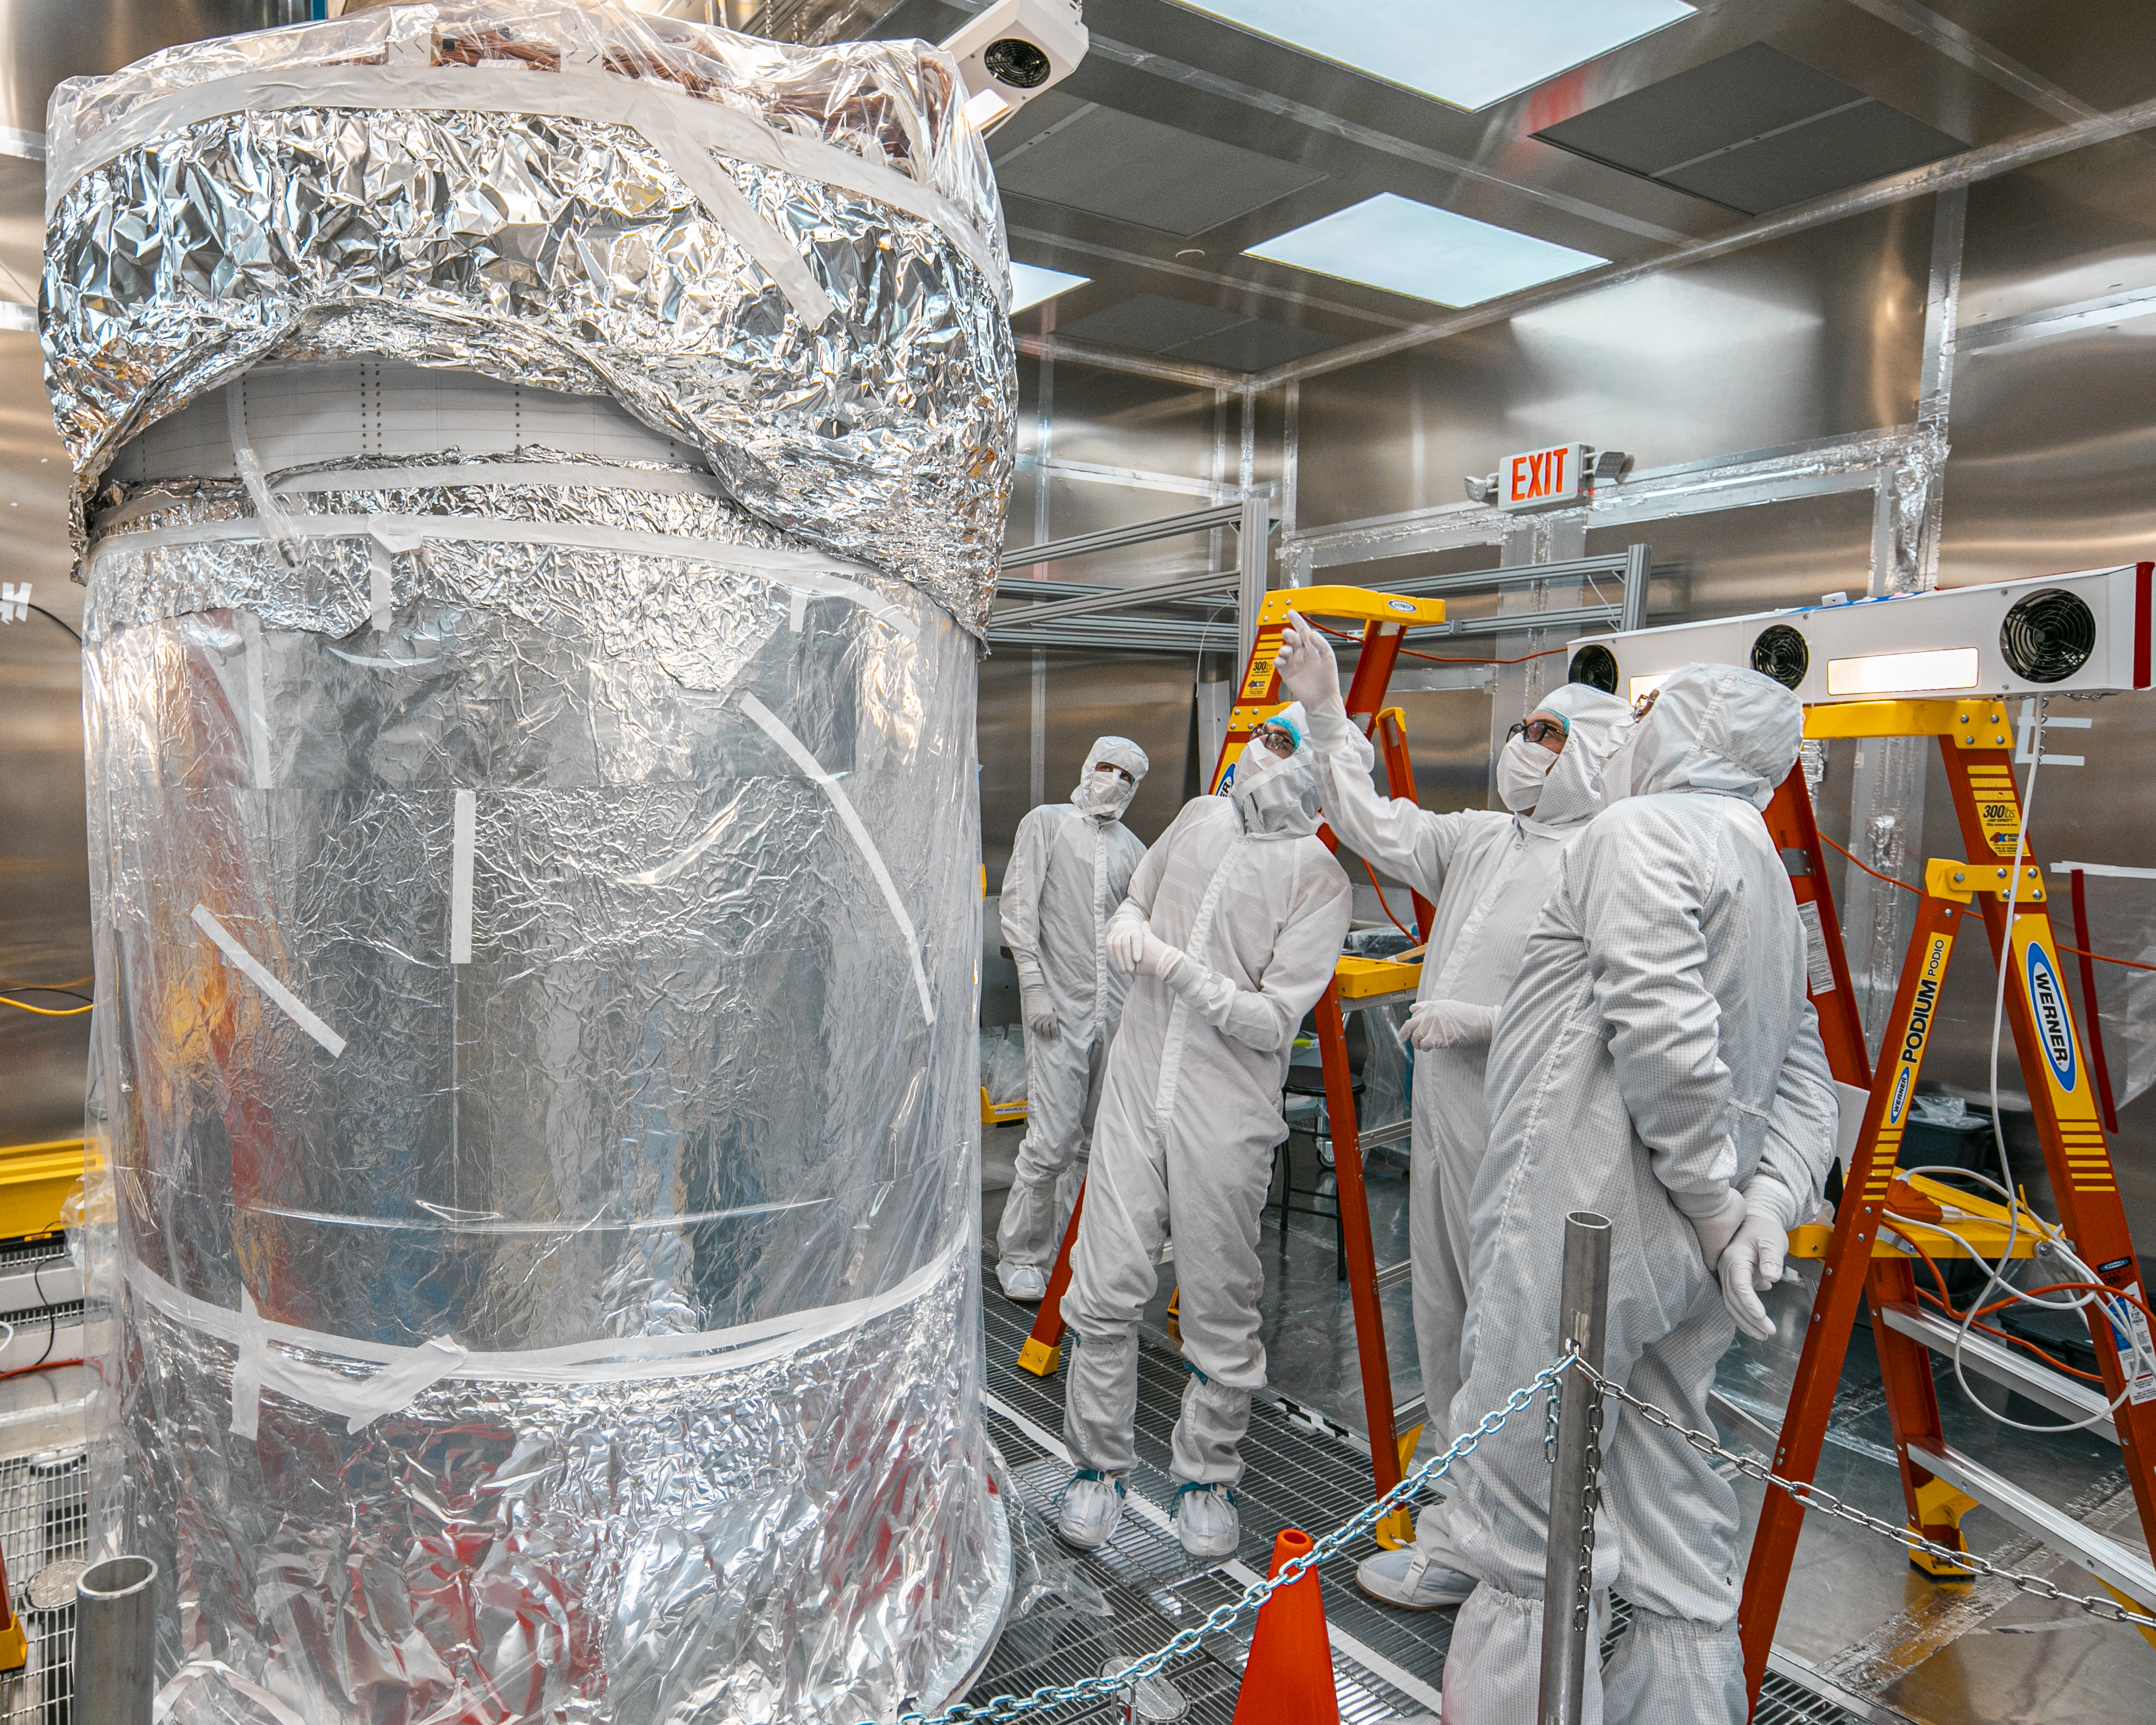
column 1307, row 667
column 1718, row 1227
column 1751, row 1264
column 1450, row 1024
column 1039, row 1012
column 1127, row 944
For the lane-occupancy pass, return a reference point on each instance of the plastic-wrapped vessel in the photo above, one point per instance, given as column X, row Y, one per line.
column 540, row 475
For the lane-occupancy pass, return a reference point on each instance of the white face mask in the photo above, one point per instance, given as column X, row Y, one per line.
column 1104, row 794
column 1521, row 767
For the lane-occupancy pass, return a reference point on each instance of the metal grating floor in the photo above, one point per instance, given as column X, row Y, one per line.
column 44, row 1518
column 1297, row 1476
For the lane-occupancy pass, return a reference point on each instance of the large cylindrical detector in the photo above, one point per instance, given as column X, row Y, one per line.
column 541, row 473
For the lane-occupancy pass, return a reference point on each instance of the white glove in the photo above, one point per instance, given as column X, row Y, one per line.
column 1718, row 1227
column 1306, row 666
column 1450, row 1024
column 1751, row 1264
column 1158, row 958
column 1127, row 944
column 1039, row 1012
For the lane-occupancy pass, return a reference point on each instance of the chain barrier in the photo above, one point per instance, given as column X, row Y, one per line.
column 1590, row 1499
column 1221, row 1617
column 1812, row 1496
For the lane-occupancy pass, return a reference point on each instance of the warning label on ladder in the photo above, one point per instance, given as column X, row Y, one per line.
column 1819, row 968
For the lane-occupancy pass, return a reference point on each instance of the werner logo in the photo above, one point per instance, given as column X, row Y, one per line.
column 1903, row 1081
column 2048, row 1001
column 1406, row 605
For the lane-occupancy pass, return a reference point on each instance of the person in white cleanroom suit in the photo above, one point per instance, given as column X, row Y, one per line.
column 1234, row 922
column 1656, row 1061
column 1487, row 876
column 1070, row 865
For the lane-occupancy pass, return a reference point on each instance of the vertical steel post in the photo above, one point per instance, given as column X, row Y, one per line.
column 115, row 1635
column 1568, row 1580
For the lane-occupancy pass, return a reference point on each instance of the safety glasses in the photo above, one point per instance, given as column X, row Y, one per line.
column 1547, row 732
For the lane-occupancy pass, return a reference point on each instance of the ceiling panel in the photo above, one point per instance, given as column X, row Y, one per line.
column 1151, row 323
column 1754, row 130
column 1131, row 169
column 1178, row 329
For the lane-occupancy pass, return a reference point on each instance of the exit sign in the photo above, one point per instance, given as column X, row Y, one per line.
column 1538, row 479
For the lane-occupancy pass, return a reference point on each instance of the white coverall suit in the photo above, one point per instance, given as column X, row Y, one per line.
column 1656, row 1050
column 1487, row 876
column 1070, row 865
column 1241, row 886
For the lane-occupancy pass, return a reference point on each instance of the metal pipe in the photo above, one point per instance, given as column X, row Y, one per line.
column 114, row 1634
column 1568, row 1578
column 1221, row 515
column 1220, row 580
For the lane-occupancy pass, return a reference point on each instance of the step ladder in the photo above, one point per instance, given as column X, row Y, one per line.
column 1867, row 1262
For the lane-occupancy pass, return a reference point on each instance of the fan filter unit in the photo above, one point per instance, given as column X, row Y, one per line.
column 1596, row 667
column 2048, row 636
column 1781, row 654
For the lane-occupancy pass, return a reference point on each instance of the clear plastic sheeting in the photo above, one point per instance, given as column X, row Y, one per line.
column 790, row 259
column 538, row 914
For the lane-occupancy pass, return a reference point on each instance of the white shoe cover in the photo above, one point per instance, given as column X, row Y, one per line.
column 1086, row 1514
column 1405, row 1578
column 1025, row 1283
column 1206, row 1522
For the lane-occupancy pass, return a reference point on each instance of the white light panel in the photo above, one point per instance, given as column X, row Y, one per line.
column 1405, row 247
column 1030, row 285
column 1469, row 53
column 1904, row 673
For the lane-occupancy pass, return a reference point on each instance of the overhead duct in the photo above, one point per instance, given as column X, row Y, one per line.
column 541, row 474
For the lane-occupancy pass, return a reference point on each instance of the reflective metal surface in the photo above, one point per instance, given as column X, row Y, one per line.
column 531, row 199
column 534, row 1075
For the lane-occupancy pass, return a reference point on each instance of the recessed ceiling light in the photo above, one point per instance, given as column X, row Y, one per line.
column 1403, row 247
column 1469, row 53
column 1030, row 285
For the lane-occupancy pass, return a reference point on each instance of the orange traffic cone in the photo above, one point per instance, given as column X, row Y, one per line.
column 1289, row 1678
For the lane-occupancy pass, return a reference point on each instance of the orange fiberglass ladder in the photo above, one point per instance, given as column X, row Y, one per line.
column 1357, row 985
column 1939, row 1484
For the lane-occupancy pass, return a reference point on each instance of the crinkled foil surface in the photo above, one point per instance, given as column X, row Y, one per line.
column 547, row 1264
column 224, row 202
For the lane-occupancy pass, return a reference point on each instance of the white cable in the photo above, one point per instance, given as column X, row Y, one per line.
column 1995, row 1275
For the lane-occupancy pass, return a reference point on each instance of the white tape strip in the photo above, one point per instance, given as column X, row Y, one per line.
column 244, row 458
column 464, row 839
column 362, row 1400
column 250, row 966
column 776, row 729
column 1241, row 1574
column 686, row 130
column 379, row 571
column 629, row 1360
column 256, row 652
column 196, row 1669
column 806, row 570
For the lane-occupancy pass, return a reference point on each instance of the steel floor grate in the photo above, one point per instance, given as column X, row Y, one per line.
column 1296, row 1477
column 44, row 1518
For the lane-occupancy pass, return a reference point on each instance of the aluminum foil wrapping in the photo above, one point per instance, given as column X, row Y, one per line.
column 791, row 259
column 538, row 908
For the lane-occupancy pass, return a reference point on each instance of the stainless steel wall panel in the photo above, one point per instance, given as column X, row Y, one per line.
column 1812, row 337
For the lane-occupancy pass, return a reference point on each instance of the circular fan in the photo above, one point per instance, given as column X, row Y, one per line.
column 1781, row 654
column 2048, row 636
column 1017, row 62
column 1596, row 667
